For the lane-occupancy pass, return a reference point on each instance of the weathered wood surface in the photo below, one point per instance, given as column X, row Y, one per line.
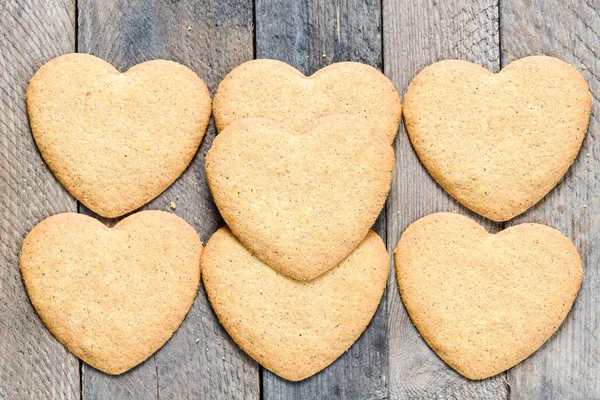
column 401, row 37
column 416, row 34
column 310, row 35
column 568, row 366
column 211, row 38
column 33, row 365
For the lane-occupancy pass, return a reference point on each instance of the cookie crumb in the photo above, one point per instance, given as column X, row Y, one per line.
column 583, row 67
column 219, row 342
column 585, row 206
column 587, row 154
column 189, row 28
column 223, row 358
column 197, row 340
column 324, row 55
column 173, row 205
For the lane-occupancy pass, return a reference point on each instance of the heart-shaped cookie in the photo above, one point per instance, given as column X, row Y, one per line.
column 498, row 143
column 293, row 328
column 275, row 90
column 116, row 141
column 300, row 202
column 112, row 296
column 485, row 302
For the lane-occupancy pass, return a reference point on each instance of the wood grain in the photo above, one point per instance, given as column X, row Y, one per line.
column 33, row 364
column 211, row 38
column 310, row 35
column 390, row 360
column 568, row 365
column 416, row 34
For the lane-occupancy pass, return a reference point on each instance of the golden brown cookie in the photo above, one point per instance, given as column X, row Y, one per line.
column 116, row 141
column 485, row 302
column 300, row 202
column 293, row 328
column 275, row 90
column 498, row 143
column 112, row 296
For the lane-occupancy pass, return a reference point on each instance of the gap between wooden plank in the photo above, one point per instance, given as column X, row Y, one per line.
column 79, row 205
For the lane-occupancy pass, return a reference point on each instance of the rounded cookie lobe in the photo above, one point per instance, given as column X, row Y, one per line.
column 293, row 328
column 498, row 143
column 116, row 140
column 485, row 302
column 300, row 202
column 274, row 90
column 112, row 296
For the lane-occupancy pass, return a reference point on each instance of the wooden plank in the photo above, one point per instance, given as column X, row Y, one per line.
column 211, row 38
column 33, row 364
column 568, row 365
column 311, row 35
column 416, row 34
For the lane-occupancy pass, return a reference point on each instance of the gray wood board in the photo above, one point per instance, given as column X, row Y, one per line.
column 33, row 364
column 390, row 359
column 211, row 38
column 416, row 34
column 568, row 365
column 309, row 36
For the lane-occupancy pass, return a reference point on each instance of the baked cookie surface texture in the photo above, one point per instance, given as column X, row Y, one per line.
column 485, row 302
column 275, row 90
column 112, row 296
column 498, row 143
column 300, row 202
column 116, row 140
column 293, row 328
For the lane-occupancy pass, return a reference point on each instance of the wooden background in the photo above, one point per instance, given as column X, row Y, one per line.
column 399, row 37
